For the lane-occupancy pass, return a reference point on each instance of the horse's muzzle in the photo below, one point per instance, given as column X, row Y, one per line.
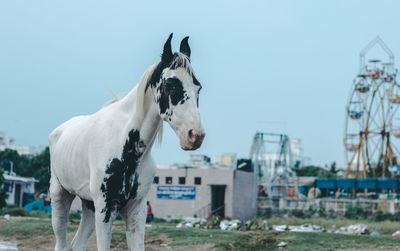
column 194, row 140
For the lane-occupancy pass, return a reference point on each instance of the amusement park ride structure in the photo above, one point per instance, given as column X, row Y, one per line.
column 371, row 135
column 273, row 165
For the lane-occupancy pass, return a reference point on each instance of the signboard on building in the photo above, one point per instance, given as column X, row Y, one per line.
column 176, row 192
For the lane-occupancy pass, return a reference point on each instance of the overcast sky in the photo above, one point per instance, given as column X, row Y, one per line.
column 258, row 62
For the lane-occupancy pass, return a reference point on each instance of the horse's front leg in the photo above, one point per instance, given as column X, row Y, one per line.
column 135, row 211
column 104, row 220
column 135, row 224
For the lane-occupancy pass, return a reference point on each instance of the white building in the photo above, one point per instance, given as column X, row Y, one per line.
column 19, row 189
column 298, row 153
column 8, row 143
column 225, row 160
column 202, row 192
column 199, row 161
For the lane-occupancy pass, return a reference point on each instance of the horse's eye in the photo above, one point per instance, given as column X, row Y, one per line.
column 172, row 83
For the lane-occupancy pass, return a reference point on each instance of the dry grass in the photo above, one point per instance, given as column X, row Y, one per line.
column 36, row 234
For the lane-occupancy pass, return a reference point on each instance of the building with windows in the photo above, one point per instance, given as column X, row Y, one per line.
column 201, row 192
column 20, row 190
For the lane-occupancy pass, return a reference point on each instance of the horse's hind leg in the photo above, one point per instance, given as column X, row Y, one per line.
column 61, row 202
column 86, row 227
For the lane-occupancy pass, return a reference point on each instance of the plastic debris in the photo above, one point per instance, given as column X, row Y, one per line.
column 375, row 233
column 7, row 217
column 397, row 233
column 8, row 246
column 213, row 222
column 282, row 244
column 279, row 228
column 38, row 205
column 353, row 229
column 256, row 224
column 230, row 224
column 192, row 222
column 306, row 228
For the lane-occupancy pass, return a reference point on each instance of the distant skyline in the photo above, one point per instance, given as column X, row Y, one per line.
column 258, row 61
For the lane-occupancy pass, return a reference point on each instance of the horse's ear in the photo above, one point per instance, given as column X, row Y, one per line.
column 184, row 48
column 167, row 56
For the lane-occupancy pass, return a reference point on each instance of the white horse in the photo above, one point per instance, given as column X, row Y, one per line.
column 105, row 158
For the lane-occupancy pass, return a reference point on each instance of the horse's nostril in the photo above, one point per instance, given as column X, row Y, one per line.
column 191, row 134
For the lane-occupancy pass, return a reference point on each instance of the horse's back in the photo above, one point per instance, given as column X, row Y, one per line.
column 56, row 133
column 64, row 128
column 68, row 162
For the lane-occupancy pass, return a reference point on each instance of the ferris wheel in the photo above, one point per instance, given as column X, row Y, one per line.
column 371, row 138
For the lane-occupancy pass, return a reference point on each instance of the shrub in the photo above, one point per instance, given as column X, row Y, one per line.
column 159, row 220
column 321, row 210
column 282, row 212
column 381, row 216
column 331, row 214
column 265, row 213
column 355, row 212
column 396, row 216
column 300, row 214
column 14, row 210
column 39, row 214
column 268, row 213
column 74, row 215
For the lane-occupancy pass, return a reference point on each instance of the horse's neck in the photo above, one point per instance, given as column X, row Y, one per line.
column 145, row 119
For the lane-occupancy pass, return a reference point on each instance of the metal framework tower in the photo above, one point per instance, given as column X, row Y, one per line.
column 273, row 166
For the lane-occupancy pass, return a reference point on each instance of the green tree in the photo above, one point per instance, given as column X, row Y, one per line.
column 35, row 166
column 3, row 193
column 332, row 169
column 39, row 166
column 315, row 171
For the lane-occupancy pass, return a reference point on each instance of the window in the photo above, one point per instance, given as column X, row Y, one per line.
column 182, row 180
column 168, row 180
column 155, row 180
column 197, row 180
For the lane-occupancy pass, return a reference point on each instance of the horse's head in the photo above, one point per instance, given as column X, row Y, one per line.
column 176, row 92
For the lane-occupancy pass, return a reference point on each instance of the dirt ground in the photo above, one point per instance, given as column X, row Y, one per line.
column 47, row 243
column 36, row 234
column 368, row 249
column 159, row 244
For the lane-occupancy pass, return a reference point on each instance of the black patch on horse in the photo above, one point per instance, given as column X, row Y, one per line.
column 155, row 77
column 196, row 82
column 88, row 204
column 175, row 63
column 171, row 90
column 121, row 182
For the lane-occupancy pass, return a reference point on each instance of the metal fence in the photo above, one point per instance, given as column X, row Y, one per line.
column 338, row 206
